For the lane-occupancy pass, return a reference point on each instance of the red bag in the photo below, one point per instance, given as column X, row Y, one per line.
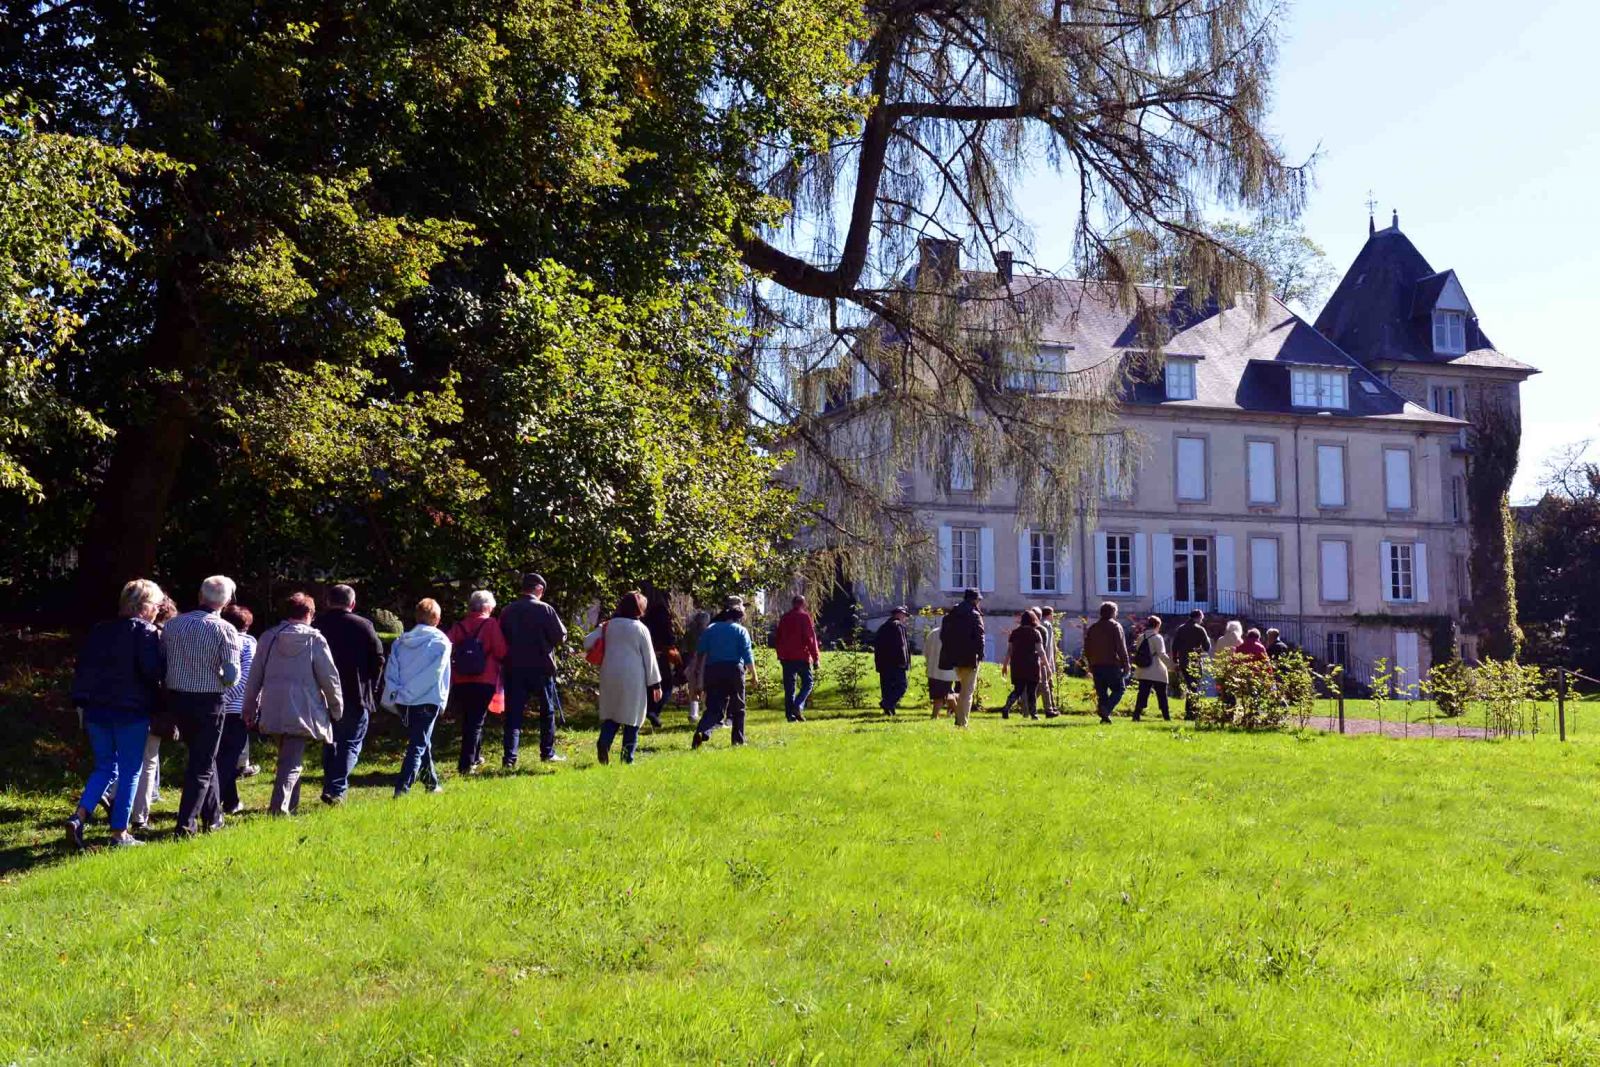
column 497, row 703
column 597, row 653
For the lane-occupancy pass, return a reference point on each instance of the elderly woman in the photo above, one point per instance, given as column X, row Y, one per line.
column 116, row 686
column 416, row 685
column 476, row 648
column 1152, row 669
column 293, row 694
column 630, row 675
column 1025, row 659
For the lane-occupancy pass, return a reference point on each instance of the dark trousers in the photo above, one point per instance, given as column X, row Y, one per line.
column 891, row 688
column 339, row 759
column 1027, row 694
column 654, row 705
column 1189, row 670
column 200, row 724
column 469, row 702
column 235, row 739
column 525, row 685
column 608, row 733
column 1109, row 683
column 797, row 683
column 1145, row 689
column 724, row 699
column 418, row 761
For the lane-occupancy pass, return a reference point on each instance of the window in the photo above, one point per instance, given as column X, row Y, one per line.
column 1339, row 648
column 1319, row 388
column 1191, row 570
column 1450, row 332
column 1180, row 379
column 1044, row 368
column 1119, row 564
column 863, row 380
column 1330, row 476
column 1191, row 468
column 1335, row 571
column 1262, row 457
column 964, row 557
column 1041, row 563
column 1402, row 571
column 961, row 476
column 1458, row 498
column 1463, row 578
column 1446, row 400
column 1397, row 479
column 1264, row 568
column 1115, row 480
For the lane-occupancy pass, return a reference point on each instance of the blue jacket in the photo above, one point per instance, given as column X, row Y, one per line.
column 418, row 671
column 727, row 642
column 120, row 668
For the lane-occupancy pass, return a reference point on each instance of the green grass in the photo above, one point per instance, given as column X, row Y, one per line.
column 856, row 890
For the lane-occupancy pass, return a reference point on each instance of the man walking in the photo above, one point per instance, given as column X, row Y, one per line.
column 961, row 643
column 1190, row 643
column 799, row 654
column 891, row 655
column 358, row 653
column 202, row 652
column 1052, row 640
column 532, row 631
column 1105, row 646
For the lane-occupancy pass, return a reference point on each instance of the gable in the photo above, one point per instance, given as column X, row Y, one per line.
column 1452, row 297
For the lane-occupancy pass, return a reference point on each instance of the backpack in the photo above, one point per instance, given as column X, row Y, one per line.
column 1142, row 656
column 470, row 657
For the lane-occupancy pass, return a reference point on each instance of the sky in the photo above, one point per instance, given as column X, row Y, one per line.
column 1480, row 124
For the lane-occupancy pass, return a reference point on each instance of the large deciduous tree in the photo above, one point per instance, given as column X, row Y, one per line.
column 1558, row 567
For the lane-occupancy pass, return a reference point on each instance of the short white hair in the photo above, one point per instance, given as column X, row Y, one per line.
column 482, row 600
column 217, row 591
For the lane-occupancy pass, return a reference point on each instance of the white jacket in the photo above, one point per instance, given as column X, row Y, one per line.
column 1160, row 662
column 932, row 642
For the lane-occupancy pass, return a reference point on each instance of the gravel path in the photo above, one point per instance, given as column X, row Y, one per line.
column 1391, row 728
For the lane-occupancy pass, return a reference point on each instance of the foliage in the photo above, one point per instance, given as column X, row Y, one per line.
column 851, row 665
column 387, row 622
column 767, row 689
column 1558, row 568
column 1248, row 696
column 1496, row 437
column 1450, row 684
column 1295, row 267
column 1507, row 692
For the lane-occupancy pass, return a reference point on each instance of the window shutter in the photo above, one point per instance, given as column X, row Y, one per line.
column 1064, row 564
column 1141, row 565
column 1419, row 571
column 986, row 559
column 1263, row 464
column 1335, row 571
column 945, row 577
column 1397, row 479
column 1386, row 570
column 1330, row 476
column 1025, row 561
column 1225, row 565
column 1191, row 468
column 1163, row 575
column 1264, row 568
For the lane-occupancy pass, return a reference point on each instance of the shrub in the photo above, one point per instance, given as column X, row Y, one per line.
column 767, row 690
column 1450, row 684
column 850, row 667
column 387, row 622
column 1249, row 693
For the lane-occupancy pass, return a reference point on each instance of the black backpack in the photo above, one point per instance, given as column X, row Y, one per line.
column 1142, row 656
column 470, row 657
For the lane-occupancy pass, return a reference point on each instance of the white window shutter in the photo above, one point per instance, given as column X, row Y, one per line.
column 1163, row 573
column 1263, row 472
column 1225, row 565
column 986, row 559
column 1141, row 565
column 1264, row 568
column 1025, row 561
column 1064, row 564
column 946, row 579
column 1397, row 479
column 1330, row 476
column 1100, row 568
column 1419, row 574
column 1386, row 570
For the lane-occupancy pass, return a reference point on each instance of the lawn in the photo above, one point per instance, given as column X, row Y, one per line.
column 857, row 890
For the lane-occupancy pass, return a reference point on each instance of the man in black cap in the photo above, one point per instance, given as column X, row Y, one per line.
column 533, row 631
column 961, row 646
column 891, row 654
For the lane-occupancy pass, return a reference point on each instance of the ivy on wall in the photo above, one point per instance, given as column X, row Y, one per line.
column 1496, row 435
column 1441, row 630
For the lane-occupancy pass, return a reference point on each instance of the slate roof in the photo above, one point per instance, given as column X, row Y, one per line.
column 1382, row 310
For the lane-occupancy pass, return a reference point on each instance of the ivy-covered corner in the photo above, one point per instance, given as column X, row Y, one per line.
column 1496, row 436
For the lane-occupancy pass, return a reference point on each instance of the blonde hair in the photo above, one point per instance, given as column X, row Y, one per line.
column 428, row 611
column 137, row 595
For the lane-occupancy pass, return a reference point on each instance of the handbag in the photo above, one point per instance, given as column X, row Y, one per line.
column 597, row 651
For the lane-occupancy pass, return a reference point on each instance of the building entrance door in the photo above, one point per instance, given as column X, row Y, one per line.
column 1191, row 572
column 1407, row 659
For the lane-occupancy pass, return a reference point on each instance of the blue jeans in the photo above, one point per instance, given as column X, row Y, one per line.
column 630, row 738
column 419, row 746
column 891, row 687
column 118, row 753
column 724, row 699
column 524, row 685
column 797, row 683
column 339, row 759
column 1109, row 683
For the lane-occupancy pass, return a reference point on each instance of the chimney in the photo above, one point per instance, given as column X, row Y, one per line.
column 1002, row 265
column 939, row 257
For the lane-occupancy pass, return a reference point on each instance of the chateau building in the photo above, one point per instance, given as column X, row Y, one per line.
column 1312, row 478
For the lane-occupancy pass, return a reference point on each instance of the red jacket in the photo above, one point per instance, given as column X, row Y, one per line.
column 1251, row 649
column 796, row 638
column 494, row 646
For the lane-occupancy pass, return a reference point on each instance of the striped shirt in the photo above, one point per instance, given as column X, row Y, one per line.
column 233, row 699
column 202, row 652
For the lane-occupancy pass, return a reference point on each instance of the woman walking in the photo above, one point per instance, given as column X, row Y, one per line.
column 1151, row 667
column 231, row 753
column 630, row 675
column 293, row 694
column 664, row 639
column 416, row 684
column 115, row 688
column 476, row 649
column 1024, row 659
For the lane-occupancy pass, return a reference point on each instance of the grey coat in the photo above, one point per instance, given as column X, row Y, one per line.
column 294, row 688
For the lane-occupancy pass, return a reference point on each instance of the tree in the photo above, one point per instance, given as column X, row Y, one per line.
column 1558, row 566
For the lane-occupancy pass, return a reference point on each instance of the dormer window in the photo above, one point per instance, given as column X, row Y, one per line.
column 1180, row 379
column 1319, row 387
column 1450, row 332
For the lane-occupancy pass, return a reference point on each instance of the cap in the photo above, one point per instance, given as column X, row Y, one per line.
column 532, row 580
column 899, row 609
column 971, row 594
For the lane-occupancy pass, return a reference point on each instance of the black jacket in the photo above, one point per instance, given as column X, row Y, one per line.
column 357, row 652
column 1188, row 640
column 961, row 637
column 120, row 668
column 891, row 649
column 533, row 631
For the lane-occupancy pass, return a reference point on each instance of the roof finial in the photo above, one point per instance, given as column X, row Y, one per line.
column 1372, row 205
column 1394, row 223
